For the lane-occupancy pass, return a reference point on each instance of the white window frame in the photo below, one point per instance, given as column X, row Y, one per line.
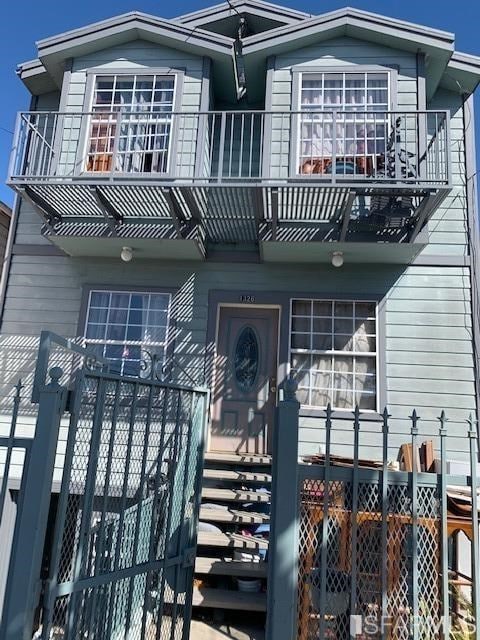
column 84, row 138
column 157, row 345
column 300, row 71
column 151, row 118
column 374, row 355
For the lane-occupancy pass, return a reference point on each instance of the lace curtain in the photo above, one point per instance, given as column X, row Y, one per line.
column 359, row 100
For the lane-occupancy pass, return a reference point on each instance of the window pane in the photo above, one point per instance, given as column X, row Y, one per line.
column 343, row 343
column 98, row 315
column 343, row 326
column 321, row 342
column 322, row 379
column 365, row 344
column 116, row 332
column 365, row 326
column 301, row 307
column 300, row 361
column 322, row 308
column 99, row 299
column 343, row 309
column 365, row 309
column 120, row 300
column 155, row 334
column 366, row 402
column 159, row 301
column 301, row 341
column 96, row 331
column 301, row 324
column 322, row 325
column 117, row 316
column 320, row 397
column 322, row 362
column 135, row 333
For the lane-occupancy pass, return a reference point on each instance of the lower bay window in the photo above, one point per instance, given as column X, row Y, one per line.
column 333, row 353
column 128, row 328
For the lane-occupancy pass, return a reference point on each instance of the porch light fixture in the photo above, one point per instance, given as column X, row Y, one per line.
column 126, row 254
column 337, row 258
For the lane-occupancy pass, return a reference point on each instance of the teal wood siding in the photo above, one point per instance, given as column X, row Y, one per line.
column 448, row 226
column 428, row 340
column 337, row 53
column 138, row 56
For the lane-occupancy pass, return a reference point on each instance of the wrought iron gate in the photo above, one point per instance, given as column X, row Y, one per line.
column 123, row 549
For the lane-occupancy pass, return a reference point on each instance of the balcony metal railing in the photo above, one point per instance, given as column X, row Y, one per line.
column 388, row 147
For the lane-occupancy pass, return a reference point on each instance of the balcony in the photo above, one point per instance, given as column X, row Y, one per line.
column 297, row 185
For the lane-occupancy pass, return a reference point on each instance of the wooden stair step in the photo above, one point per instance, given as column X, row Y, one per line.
column 230, row 567
column 226, row 599
column 236, row 476
column 238, row 458
column 232, row 540
column 235, row 495
column 233, row 515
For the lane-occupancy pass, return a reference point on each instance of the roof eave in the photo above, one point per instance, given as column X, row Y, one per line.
column 258, row 7
column 36, row 78
column 321, row 25
column 95, row 34
column 462, row 73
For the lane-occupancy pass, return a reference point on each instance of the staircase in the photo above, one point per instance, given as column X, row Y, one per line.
column 231, row 567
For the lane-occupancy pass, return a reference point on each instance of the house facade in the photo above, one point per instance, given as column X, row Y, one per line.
column 247, row 192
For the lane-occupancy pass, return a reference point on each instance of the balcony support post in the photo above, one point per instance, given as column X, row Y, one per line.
column 274, row 201
column 345, row 214
column 111, row 215
column 43, row 208
column 178, row 220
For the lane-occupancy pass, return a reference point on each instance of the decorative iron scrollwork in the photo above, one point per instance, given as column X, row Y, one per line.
column 152, row 366
column 246, row 359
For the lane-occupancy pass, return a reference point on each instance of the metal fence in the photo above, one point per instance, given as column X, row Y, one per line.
column 365, row 548
column 406, row 147
column 120, row 557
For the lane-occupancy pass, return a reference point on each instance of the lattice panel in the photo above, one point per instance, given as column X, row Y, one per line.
column 377, row 535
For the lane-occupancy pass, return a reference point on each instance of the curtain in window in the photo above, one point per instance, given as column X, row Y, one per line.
column 356, row 130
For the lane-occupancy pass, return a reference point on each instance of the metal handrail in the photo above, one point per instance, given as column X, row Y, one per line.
column 217, row 146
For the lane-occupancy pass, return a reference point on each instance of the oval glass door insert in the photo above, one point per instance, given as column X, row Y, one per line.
column 246, row 359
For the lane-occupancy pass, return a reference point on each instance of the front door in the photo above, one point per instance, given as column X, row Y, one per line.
column 245, row 386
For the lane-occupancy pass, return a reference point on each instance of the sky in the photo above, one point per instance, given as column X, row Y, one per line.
column 23, row 23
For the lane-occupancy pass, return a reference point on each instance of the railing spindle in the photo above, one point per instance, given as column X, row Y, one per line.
column 444, row 526
column 385, row 511
column 414, row 433
column 475, row 558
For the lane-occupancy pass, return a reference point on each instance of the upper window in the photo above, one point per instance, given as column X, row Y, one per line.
column 343, row 115
column 333, row 353
column 345, row 91
column 130, row 128
column 121, row 325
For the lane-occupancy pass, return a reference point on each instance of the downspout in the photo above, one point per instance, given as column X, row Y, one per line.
column 12, row 233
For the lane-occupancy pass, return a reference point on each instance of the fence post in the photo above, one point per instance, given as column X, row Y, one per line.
column 283, row 550
column 23, row 582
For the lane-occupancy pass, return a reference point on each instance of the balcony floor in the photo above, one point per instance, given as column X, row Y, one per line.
column 183, row 220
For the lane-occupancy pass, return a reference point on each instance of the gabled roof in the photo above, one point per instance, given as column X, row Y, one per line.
column 373, row 23
column 279, row 30
column 263, row 15
column 52, row 52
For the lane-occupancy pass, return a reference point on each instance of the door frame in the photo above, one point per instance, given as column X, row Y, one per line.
column 219, row 305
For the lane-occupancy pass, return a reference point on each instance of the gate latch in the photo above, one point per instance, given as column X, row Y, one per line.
column 189, row 557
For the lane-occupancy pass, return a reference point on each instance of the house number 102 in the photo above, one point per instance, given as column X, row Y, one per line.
column 247, row 298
